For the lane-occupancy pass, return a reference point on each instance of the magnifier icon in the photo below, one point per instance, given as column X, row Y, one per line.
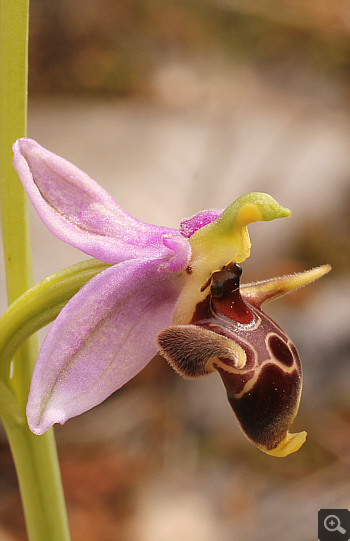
column 332, row 524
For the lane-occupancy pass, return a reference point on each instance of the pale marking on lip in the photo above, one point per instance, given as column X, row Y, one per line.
column 250, row 384
column 257, row 369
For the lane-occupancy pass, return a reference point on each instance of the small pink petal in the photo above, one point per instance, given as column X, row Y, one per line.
column 189, row 226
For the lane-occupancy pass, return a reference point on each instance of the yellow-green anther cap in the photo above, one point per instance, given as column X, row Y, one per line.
column 224, row 240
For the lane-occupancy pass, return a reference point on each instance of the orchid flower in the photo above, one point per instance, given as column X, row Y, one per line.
column 171, row 291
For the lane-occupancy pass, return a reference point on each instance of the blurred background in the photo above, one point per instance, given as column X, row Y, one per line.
column 174, row 107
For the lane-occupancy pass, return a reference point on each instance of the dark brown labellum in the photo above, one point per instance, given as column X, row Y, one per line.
column 256, row 360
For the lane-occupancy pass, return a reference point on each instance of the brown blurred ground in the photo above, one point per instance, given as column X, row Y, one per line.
column 175, row 107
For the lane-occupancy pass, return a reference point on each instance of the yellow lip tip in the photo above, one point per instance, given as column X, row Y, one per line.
column 290, row 444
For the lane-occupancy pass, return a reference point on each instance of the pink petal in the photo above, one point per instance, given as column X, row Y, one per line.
column 188, row 226
column 81, row 213
column 102, row 338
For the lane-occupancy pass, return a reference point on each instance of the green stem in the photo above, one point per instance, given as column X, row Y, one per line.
column 13, row 118
column 34, row 456
column 39, row 480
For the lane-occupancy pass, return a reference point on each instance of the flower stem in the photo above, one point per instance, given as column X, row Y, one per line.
column 14, row 207
column 39, row 479
column 35, row 457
